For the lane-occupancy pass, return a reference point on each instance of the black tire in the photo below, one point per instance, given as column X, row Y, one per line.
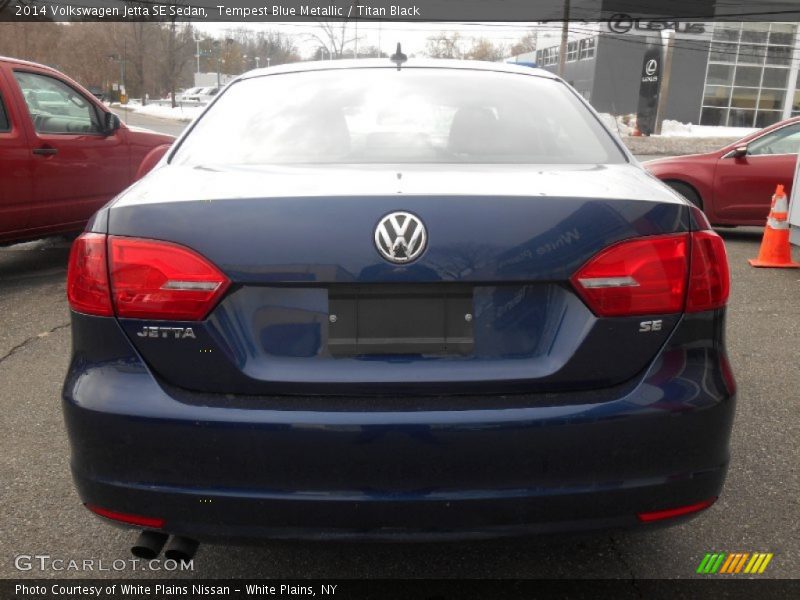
column 687, row 191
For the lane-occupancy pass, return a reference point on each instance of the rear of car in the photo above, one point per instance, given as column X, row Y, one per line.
column 406, row 303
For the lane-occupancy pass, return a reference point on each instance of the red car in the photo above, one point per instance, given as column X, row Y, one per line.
column 734, row 185
column 63, row 154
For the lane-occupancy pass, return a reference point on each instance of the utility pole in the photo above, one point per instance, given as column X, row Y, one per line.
column 121, row 59
column 355, row 50
column 218, row 48
column 663, row 90
column 562, row 52
column 197, row 55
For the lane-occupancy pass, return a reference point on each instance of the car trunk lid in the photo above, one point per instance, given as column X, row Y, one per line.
column 313, row 307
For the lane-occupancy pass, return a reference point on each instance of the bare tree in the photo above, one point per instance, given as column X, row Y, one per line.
column 483, row 49
column 279, row 48
column 444, row 45
column 334, row 37
column 371, row 52
column 143, row 39
column 526, row 43
column 179, row 41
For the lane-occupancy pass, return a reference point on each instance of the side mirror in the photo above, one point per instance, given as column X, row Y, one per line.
column 111, row 123
column 740, row 151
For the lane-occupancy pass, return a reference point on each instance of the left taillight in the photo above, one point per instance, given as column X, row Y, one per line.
column 141, row 279
column 88, row 291
column 151, row 279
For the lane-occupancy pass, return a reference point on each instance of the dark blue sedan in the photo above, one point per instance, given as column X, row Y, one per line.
column 357, row 300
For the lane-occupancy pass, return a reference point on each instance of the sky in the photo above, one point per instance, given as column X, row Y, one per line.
column 412, row 35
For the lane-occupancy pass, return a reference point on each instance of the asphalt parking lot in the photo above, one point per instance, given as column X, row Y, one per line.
column 759, row 510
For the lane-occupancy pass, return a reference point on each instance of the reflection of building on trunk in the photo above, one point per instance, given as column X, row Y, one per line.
column 724, row 73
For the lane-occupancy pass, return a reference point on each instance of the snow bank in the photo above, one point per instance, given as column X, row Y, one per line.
column 617, row 125
column 677, row 129
column 179, row 113
column 669, row 128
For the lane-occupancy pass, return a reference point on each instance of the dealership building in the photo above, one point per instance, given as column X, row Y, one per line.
column 723, row 73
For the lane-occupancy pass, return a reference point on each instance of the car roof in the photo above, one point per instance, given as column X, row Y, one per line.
column 26, row 63
column 412, row 63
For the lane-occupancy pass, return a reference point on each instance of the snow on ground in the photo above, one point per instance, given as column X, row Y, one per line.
column 677, row 129
column 617, row 124
column 179, row 113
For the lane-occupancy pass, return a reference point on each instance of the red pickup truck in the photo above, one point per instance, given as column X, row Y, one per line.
column 63, row 154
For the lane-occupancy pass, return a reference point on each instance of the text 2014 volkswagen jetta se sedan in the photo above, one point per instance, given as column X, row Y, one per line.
column 357, row 300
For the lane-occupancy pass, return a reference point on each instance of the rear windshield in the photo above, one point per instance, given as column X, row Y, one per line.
column 389, row 116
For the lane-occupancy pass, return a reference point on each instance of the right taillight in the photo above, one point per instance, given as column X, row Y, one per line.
column 709, row 278
column 643, row 276
column 656, row 275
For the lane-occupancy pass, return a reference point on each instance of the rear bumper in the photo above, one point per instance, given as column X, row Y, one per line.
column 212, row 470
column 243, row 515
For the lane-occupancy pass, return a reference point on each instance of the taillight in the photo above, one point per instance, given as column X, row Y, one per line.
column 151, row 279
column 649, row 275
column 87, row 276
column 709, row 278
column 636, row 277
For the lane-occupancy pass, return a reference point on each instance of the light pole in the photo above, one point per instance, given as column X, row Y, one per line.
column 217, row 47
column 197, row 56
column 258, row 60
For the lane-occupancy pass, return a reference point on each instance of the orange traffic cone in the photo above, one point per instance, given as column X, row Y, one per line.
column 636, row 131
column 775, row 249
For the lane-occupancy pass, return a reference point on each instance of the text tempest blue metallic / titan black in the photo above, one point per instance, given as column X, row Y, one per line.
column 433, row 301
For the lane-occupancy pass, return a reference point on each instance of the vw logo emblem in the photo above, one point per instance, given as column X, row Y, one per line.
column 400, row 237
column 651, row 66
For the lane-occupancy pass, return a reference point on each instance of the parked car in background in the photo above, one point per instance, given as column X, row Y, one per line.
column 63, row 155
column 203, row 95
column 734, row 185
column 97, row 92
column 184, row 95
column 430, row 302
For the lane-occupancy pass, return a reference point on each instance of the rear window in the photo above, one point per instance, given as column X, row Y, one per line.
column 416, row 115
column 4, row 124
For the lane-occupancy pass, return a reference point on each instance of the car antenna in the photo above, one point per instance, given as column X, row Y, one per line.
column 398, row 57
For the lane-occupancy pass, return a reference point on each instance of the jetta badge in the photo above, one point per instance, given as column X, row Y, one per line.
column 400, row 237
column 178, row 333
